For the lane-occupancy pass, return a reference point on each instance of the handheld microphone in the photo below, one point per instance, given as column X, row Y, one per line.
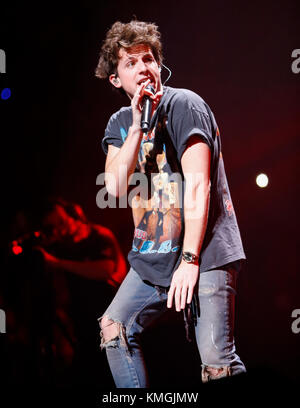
column 146, row 110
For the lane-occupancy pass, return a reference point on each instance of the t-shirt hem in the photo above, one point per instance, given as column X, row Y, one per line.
column 167, row 281
column 225, row 261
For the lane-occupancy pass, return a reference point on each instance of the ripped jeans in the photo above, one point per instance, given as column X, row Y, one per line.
column 137, row 304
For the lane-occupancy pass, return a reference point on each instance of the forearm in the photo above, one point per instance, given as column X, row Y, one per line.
column 185, row 277
column 196, row 210
column 122, row 166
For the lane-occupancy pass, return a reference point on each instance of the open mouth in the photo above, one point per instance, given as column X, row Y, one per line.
column 152, row 82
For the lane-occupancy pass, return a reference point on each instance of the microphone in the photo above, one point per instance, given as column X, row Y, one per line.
column 146, row 110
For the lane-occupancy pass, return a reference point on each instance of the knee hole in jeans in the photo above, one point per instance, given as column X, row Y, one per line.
column 215, row 373
column 111, row 331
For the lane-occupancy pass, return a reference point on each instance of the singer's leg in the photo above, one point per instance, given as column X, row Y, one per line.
column 215, row 327
column 134, row 307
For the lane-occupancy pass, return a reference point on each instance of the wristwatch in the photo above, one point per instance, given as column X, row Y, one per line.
column 188, row 257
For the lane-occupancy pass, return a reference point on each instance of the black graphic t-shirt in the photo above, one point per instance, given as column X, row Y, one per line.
column 158, row 213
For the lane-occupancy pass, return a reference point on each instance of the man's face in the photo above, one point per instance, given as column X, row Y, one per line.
column 136, row 65
column 58, row 225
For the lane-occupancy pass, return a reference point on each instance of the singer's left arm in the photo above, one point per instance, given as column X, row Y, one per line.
column 195, row 163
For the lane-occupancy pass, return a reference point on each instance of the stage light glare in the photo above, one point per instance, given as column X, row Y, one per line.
column 17, row 249
column 5, row 93
column 262, row 180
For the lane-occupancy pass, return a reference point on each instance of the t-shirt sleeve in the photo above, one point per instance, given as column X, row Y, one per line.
column 189, row 117
column 114, row 133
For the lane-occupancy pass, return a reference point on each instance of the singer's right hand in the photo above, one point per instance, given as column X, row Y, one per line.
column 136, row 104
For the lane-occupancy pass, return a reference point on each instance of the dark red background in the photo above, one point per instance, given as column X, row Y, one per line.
column 237, row 56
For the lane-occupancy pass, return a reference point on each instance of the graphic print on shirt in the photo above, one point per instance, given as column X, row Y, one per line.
column 228, row 206
column 157, row 217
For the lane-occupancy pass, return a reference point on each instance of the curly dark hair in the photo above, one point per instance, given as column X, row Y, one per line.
column 126, row 36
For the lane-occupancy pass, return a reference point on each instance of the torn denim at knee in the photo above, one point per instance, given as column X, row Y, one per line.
column 119, row 340
column 208, row 373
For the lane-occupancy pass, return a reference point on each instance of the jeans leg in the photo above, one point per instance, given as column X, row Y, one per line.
column 215, row 326
column 134, row 307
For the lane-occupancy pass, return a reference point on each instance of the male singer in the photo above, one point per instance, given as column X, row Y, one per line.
column 186, row 245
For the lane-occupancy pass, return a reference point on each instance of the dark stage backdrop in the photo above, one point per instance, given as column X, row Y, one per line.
column 238, row 57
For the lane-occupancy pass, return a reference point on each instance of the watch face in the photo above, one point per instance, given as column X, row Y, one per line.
column 187, row 257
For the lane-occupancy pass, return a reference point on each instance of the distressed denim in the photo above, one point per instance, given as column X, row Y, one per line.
column 137, row 304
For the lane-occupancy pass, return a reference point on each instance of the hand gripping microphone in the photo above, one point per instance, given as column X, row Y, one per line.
column 147, row 110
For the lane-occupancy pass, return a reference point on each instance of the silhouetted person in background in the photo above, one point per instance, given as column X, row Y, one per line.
column 73, row 268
